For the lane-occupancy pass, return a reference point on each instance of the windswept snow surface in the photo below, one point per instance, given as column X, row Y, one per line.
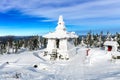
column 96, row 66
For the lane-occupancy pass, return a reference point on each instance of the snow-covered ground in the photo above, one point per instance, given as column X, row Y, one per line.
column 96, row 66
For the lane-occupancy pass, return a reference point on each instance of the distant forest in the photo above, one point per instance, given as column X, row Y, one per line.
column 15, row 43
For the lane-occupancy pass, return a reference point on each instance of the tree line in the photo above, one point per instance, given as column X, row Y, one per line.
column 97, row 40
column 12, row 45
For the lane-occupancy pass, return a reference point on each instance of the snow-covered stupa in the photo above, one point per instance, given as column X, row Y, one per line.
column 60, row 41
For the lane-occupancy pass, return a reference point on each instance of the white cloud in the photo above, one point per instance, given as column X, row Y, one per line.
column 46, row 8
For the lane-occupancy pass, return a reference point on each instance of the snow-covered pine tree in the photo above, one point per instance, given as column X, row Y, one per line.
column 118, row 39
column 108, row 37
column 16, row 46
column 83, row 41
column 8, row 47
column 1, row 48
column 35, row 42
column 100, row 39
column 88, row 39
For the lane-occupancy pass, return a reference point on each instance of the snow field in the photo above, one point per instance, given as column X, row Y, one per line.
column 96, row 66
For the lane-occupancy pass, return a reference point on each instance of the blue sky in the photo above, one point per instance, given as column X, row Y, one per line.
column 32, row 17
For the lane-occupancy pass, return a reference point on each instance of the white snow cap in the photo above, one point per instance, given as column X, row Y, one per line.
column 111, row 43
column 61, row 31
column 60, row 19
column 60, row 25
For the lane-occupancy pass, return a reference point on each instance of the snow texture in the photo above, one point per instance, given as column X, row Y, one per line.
column 98, row 65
